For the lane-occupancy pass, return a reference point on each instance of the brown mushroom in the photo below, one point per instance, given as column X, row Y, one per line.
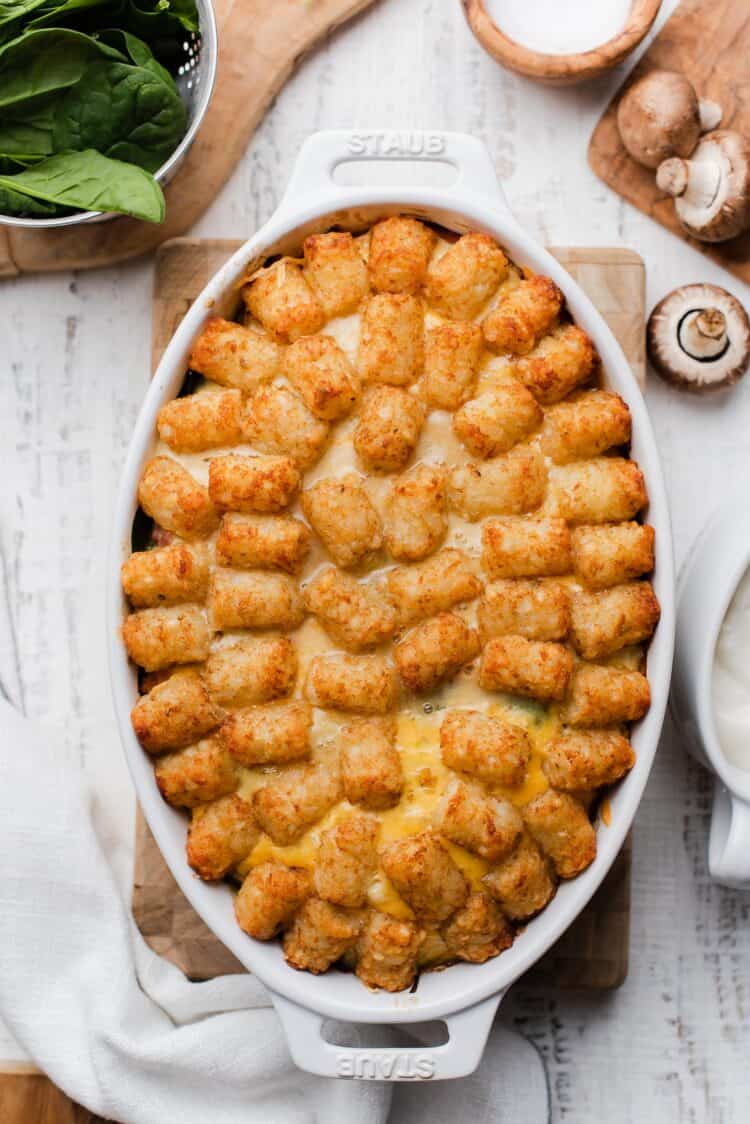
column 660, row 116
column 711, row 190
column 698, row 338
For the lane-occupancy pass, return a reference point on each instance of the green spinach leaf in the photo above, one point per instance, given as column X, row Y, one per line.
column 85, row 180
column 41, row 62
column 123, row 111
column 138, row 52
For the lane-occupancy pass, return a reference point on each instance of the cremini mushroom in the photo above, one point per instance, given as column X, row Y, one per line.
column 660, row 115
column 711, row 190
column 698, row 338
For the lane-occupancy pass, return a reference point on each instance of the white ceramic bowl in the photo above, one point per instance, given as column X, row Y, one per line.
column 465, row 996
column 716, row 564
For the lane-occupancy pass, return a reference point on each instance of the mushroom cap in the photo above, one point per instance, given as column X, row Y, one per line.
column 728, row 212
column 659, row 116
column 725, row 357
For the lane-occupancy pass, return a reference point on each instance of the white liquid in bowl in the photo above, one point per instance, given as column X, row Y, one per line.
column 559, row 29
column 731, row 679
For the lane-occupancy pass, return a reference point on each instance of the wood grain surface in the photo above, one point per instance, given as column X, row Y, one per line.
column 671, row 1045
column 593, row 954
column 710, row 43
column 260, row 43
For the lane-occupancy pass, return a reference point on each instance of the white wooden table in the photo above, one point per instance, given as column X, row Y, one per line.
column 673, row 1043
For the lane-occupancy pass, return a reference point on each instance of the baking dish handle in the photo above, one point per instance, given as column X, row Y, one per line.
column 459, row 1056
column 321, row 154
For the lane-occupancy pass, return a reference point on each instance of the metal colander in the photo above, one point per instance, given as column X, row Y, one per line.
column 195, row 79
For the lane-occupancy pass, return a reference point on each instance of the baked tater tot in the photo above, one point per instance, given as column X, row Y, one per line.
column 297, row 798
column 175, row 500
column 252, row 484
column 435, row 650
column 560, row 826
column 335, row 271
column 271, row 734
column 321, row 373
column 558, row 364
column 538, row 610
column 400, row 249
column 262, row 542
column 585, row 426
column 484, row 824
column 526, row 547
column 277, row 421
column 388, row 952
column 169, row 575
column 388, row 429
column 391, row 345
column 451, row 362
column 425, row 875
column 416, row 521
column 462, row 280
column 220, row 835
column 611, row 555
column 201, row 421
column 433, row 586
column 175, row 713
column 477, row 931
column 496, row 420
column 506, row 485
column 344, row 519
column 345, row 860
column 600, row 490
column 157, row 638
column 610, row 619
column 605, row 696
column 522, row 315
column 492, row 750
column 269, row 897
column 370, row 763
column 521, row 883
column 251, row 670
column 254, row 599
column 351, row 612
column 228, row 354
column 581, row 760
column 319, row 935
column 359, row 684
column 196, row 775
column 280, row 298
column 532, row 668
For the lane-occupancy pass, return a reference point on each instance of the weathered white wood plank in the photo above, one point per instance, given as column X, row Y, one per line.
column 672, row 1044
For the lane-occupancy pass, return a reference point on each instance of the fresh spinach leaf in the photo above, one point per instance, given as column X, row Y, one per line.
column 14, row 203
column 41, row 62
column 30, row 134
column 124, row 112
column 138, row 52
column 84, row 180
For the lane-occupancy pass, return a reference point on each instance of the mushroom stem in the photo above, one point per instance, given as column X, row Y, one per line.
column 710, row 115
column 697, row 180
column 703, row 333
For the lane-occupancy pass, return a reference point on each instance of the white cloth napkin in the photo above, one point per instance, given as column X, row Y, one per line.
column 125, row 1034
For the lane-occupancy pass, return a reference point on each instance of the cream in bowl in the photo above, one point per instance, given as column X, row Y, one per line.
column 731, row 679
column 710, row 698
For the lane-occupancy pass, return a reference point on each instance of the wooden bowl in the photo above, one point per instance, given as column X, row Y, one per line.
column 560, row 70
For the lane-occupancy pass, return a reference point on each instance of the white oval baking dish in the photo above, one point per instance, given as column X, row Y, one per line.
column 465, row 996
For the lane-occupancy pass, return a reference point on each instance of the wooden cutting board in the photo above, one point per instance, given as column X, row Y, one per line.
column 593, row 954
column 260, row 44
column 710, row 43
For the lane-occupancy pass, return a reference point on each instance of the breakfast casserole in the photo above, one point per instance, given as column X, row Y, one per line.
column 392, row 603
